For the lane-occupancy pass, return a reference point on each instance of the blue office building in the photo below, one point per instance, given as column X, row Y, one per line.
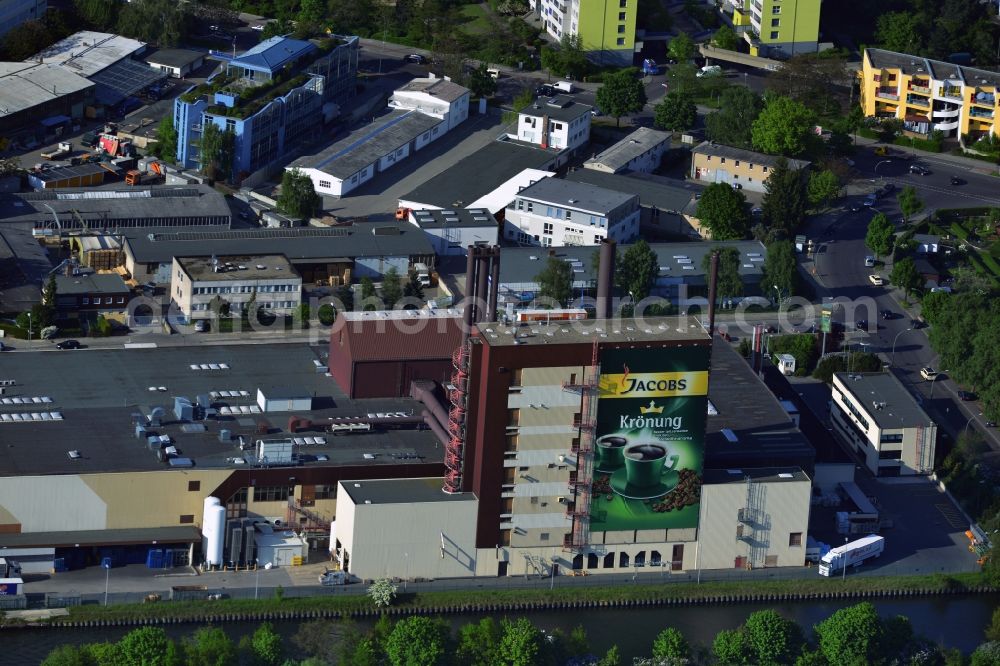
column 272, row 97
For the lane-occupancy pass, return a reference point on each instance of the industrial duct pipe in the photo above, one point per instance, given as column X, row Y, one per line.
column 491, row 307
column 482, row 276
column 423, row 392
column 605, row 278
column 470, row 289
column 438, row 431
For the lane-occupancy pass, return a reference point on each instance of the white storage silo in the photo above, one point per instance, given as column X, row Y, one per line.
column 215, row 532
column 333, row 536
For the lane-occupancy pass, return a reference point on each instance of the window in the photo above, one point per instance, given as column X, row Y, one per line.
column 544, row 536
column 623, row 3
column 86, row 300
column 891, row 439
column 194, row 486
column 328, row 491
column 272, row 493
column 121, row 300
column 569, row 214
column 187, row 519
column 236, row 505
column 774, row 34
column 775, row 23
column 547, row 228
column 621, row 16
column 776, row 9
column 325, row 183
column 723, row 160
column 737, row 163
column 621, row 29
column 530, row 206
column 108, row 300
column 620, row 41
column 765, row 169
column 794, row 539
column 890, row 455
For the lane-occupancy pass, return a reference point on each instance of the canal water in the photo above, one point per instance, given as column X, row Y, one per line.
column 955, row 622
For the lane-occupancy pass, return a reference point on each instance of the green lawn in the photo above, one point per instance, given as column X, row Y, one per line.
column 474, row 21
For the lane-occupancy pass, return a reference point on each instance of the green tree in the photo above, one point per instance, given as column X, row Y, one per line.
column 681, row 48
column 368, row 293
column 785, row 197
column 327, row 314
column 210, row 646
column 417, row 641
column 824, row 187
column 909, row 203
column 477, row 642
column 889, row 129
column 621, row 94
column 732, row 124
column 392, row 288
column 99, row 14
column 298, row 197
column 161, row 22
column 555, row 281
column 302, row 313
column 345, row 294
column 905, row 276
column 413, row 289
column 731, row 647
column 725, row 38
column 50, row 292
column 676, row 112
column 569, row 59
column 267, row 646
column 774, row 639
column 684, row 79
column 899, row 32
column 611, row 658
column 146, row 646
column 881, row 235
column 311, row 12
column 852, row 635
column 166, row 140
column 722, row 210
column 69, row 655
column 637, row 269
column 480, row 83
column 670, row 645
column 992, row 632
column 105, row 653
column 809, row 80
column 780, row 269
column 276, row 28
column 933, row 305
column 784, row 127
column 520, row 643
column 730, row 284
column 382, row 592
column 217, row 150
column 987, row 654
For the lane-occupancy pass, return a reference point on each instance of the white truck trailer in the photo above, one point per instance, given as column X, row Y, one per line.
column 851, row 554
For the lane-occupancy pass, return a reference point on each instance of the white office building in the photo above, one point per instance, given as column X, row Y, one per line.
column 640, row 151
column 437, row 97
column 269, row 280
column 558, row 124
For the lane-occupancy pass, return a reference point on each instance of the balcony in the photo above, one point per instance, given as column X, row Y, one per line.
column 918, row 101
column 946, row 127
column 983, row 99
column 980, row 113
column 938, row 114
column 887, row 93
column 951, row 93
column 923, row 90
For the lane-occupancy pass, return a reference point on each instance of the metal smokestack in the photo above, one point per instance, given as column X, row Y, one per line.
column 605, row 278
column 482, row 275
column 491, row 307
column 713, row 279
column 470, row 288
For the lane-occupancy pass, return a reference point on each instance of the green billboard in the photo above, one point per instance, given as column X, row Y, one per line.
column 650, row 438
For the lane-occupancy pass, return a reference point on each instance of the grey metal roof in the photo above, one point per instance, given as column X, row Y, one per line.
column 110, row 209
column 368, row 239
column 273, row 53
column 369, row 144
column 98, row 390
column 174, row 57
column 578, row 196
column 113, row 537
column 559, row 107
column 87, row 52
column 402, row 491
column 452, row 218
column 261, row 267
column 62, row 173
column 937, row 69
column 479, row 173
column 24, row 85
column 900, row 411
column 91, row 283
column 758, row 474
column 719, row 150
column 617, row 156
column 449, row 91
column 666, row 194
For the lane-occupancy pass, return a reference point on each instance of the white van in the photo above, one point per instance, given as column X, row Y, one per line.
column 493, row 73
column 709, row 70
column 869, row 261
column 564, row 86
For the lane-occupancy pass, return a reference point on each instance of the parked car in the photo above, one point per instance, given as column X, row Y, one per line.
column 920, row 170
column 415, row 58
column 869, row 261
column 967, row 396
column 69, row 344
column 870, row 200
column 201, row 326
column 258, row 28
column 888, row 314
column 855, row 207
column 882, row 151
column 928, row 373
column 990, row 424
column 876, row 280
column 545, row 90
column 955, row 180
column 709, row 70
column 861, row 325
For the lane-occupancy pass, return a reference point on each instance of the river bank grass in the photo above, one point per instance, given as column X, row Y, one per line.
column 501, row 600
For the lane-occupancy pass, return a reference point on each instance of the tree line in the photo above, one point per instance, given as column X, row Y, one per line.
column 854, row 635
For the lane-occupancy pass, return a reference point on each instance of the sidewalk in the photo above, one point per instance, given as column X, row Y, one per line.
column 956, row 160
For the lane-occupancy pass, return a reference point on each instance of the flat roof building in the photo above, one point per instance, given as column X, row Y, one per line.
column 30, row 91
column 83, row 175
column 881, row 422
column 559, row 123
column 639, row 151
column 268, row 281
column 452, row 231
column 177, row 63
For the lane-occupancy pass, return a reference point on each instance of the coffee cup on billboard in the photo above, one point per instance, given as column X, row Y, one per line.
column 611, row 448
column 644, row 464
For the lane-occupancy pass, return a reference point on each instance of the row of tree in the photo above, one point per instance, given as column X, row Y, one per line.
column 851, row 635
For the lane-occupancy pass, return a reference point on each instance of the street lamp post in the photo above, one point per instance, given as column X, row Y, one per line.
column 893, row 361
column 875, row 171
column 29, row 329
column 256, row 583
column 968, row 423
column 934, row 380
column 552, row 573
column 844, row 556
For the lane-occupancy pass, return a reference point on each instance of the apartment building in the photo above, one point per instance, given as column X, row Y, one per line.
column 778, row 28
column 930, row 95
column 558, row 123
column 554, row 212
column 743, row 169
column 273, row 96
column 269, row 280
column 640, row 151
column 606, row 28
column 883, row 424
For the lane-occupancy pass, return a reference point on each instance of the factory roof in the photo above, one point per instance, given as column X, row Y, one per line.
column 479, row 174
column 666, row 194
column 443, row 89
column 757, row 474
column 22, row 288
column 884, row 399
column 453, row 218
column 112, row 537
column 368, row 144
column 98, row 392
column 65, row 172
column 560, row 107
column 367, row 239
column 125, row 79
column 617, row 156
column 91, row 283
column 273, row 53
column 174, row 57
column 25, row 85
column 238, row 268
column 718, row 150
column 388, row 336
column 578, row 196
column 110, row 209
column 936, row 69
column 650, row 329
column 400, row 491
column 87, row 53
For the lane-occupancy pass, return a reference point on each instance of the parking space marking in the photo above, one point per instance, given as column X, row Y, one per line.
column 951, row 514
